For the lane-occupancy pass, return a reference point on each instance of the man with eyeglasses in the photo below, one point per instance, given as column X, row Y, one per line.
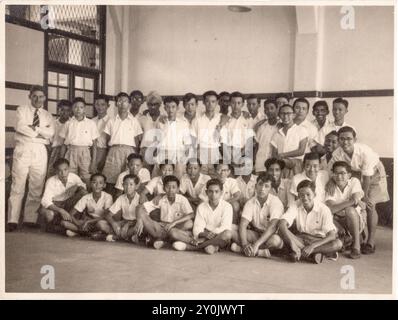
column 33, row 131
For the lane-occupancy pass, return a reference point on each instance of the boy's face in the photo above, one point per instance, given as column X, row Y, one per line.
column 306, row 195
column 339, row 111
column 223, row 172
column 214, row 193
column 301, row 110
column 79, row 109
column 171, row 189
column 129, row 186
column 63, row 172
column 331, row 143
column 311, row 168
column 37, row 99
column 153, row 107
column 193, row 170
column 270, row 110
column 263, row 189
column 341, row 176
column 281, row 101
column 97, row 184
column 65, row 112
column 101, row 106
column 320, row 113
column 190, row 106
column 286, row 115
column 225, row 101
column 211, row 103
column 123, row 104
column 171, row 109
column 236, row 104
column 252, row 106
column 275, row 171
column 346, row 141
column 167, row 170
column 134, row 166
column 136, row 100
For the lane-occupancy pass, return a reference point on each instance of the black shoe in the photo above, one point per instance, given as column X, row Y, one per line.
column 11, row 227
column 368, row 249
column 31, row 225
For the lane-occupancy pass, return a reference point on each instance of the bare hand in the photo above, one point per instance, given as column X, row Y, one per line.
column 368, row 202
column 66, row 216
column 116, row 228
column 307, row 251
column 138, row 228
column 169, row 226
column 248, row 250
column 211, row 235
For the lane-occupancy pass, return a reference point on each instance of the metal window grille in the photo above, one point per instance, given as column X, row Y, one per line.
column 30, row 13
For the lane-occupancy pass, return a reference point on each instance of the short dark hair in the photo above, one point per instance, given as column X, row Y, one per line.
column 137, row 92
column 282, row 95
column 303, row 100
column 36, row 88
column 133, row 156
column 342, row 164
column 131, row 176
column 122, row 94
column 194, row 161
column 101, row 97
column 286, row 105
column 64, row 103
column 270, row 101
column 269, row 162
column 311, row 156
column 97, row 175
column 320, row 103
column 306, row 184
column 224, row 93
column 210, row 93
column 265, row 177
column 214, row 182
column 253, row 96
column 347, row 129
column 188, row 96
column 332, row 133
column 60, row 161
column 237, row 94
column 342, row 101
column 78, row 99
column 170, row 99
column 165, row 162
column 168, row 179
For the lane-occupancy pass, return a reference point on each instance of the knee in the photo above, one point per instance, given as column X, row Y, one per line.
column 337, row 245
column 188, row 225
column 275, row 241
column 48, row 215
column 102, row 224
column 282, row 225
column 351, row 213
column 173, row 234
column 226, row 235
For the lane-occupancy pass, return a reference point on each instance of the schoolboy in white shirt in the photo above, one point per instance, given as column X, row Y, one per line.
column 101, row 104
column 301, row 108
column 280, row 186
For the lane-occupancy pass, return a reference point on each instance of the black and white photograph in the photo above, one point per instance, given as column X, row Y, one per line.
column 198, row 149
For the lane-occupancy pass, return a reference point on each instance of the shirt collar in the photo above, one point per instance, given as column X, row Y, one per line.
column 129, row 116
column 315, row 208
column 281, row 129
column 33, row 109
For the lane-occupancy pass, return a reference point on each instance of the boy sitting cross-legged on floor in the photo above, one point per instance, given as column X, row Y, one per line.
column 316, row 234
column 262, row 212
column 122, row 215
column 212, row 225
column 92, row 207
column 159, row 218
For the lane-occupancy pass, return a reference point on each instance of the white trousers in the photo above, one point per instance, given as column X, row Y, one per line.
column 29, row 162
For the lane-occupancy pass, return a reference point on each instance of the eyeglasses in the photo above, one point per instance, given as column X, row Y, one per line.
column 285, row 113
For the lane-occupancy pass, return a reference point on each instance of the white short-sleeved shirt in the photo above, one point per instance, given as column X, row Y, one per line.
column 364, row 159
column 101, row 142
column 317, row 222
column 186, row 185
column 236, row 132
column 327, row 128
column 95, row 209
column 312, row 133
column 260, row 216
column 58, row 126
column 247, row 189
column 79, row 133
column 204, row 129
column 148, row 126
column 263, row 137
column 320, row 182
column 143, row 175
column 128, row 208
column 123, row 131
column 253, row 121
column 155, row 186
column 290, row 141
column 216, row 221
column 174, row 134
column 55, row 190
column 353, row 186
column 170, row 212
column 283, row 191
